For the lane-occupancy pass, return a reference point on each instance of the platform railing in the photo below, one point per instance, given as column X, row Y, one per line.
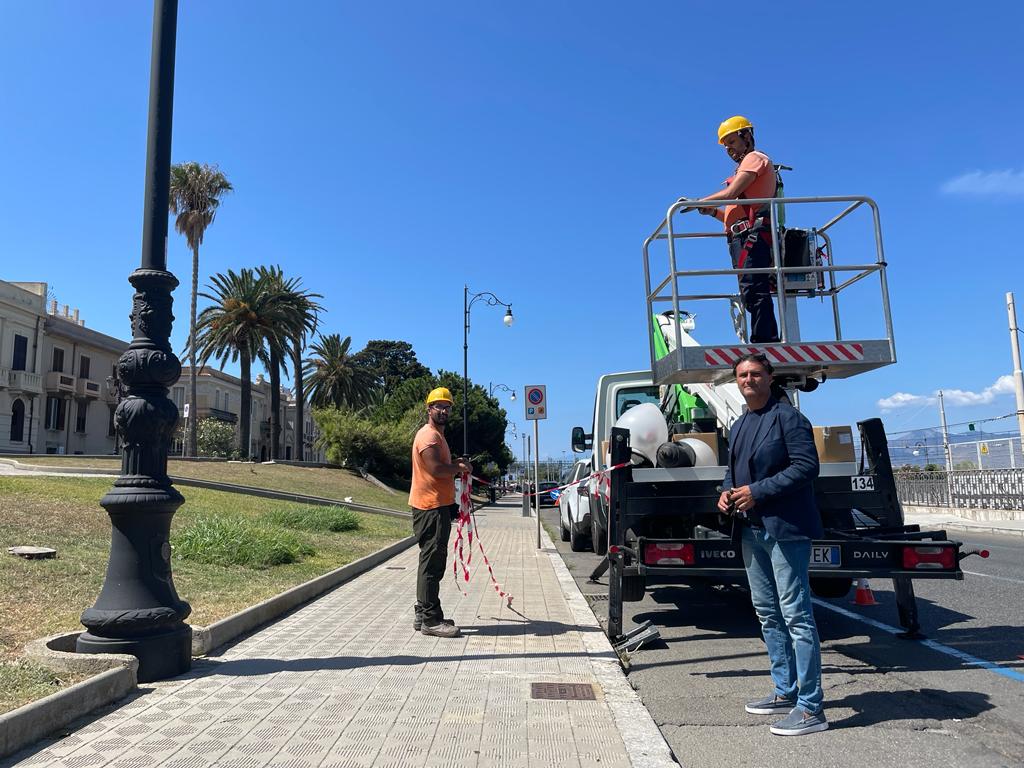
column 835, row 285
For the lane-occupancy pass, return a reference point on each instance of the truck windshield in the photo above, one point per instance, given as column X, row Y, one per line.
column 626, row 398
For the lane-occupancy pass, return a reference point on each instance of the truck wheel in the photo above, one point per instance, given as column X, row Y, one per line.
column 598, row 537
column 562, row 530
column 633, row 588
column 830, row 588
column 577, row 541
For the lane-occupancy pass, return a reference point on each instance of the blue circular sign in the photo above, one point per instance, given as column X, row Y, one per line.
column 535, row 396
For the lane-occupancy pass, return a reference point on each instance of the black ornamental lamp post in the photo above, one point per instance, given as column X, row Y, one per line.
column 468, row 300
column 138, row 610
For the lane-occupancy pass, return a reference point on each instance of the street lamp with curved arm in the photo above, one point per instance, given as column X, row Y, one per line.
column 491, row 388
column 468, row 300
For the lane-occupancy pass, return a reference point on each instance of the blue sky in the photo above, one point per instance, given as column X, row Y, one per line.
column 389, row 153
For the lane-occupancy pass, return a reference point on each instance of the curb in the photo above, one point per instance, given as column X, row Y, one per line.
column 645, row 744
column 206, row 639
column 26, row 725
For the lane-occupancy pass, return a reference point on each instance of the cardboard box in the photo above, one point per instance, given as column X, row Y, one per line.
column 834, row 444
column 710, row 438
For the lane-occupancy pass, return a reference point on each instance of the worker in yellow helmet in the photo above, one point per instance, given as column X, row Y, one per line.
column 432, row 498
column 748, row 227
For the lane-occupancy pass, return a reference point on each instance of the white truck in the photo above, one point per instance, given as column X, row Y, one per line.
column 663, row 521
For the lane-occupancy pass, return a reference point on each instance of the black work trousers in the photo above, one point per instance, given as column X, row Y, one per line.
column 753, row 250
column 432, row 528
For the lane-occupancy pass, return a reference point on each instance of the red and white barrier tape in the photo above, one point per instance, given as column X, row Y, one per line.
column 464, row 536
column 599, row 483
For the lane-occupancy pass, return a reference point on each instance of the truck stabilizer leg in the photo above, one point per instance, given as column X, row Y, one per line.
column 906, row 605
column 601, row 569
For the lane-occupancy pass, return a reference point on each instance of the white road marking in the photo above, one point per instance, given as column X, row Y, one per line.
column 990, row 576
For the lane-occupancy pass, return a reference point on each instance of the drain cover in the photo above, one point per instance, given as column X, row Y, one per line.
column 562, row 691
column 394, row 568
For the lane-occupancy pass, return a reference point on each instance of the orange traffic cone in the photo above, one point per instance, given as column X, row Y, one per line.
column 863, row 596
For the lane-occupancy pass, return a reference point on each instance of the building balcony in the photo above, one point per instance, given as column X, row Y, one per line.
column 228, row 416
column 26, row 382
column 5, row 378
column 55, row 381
column 87, row 388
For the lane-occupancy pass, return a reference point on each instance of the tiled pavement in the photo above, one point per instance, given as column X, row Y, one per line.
column 345, row 682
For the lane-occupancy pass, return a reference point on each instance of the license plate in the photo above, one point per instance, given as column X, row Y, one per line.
column 862, row 483
column 825, row 556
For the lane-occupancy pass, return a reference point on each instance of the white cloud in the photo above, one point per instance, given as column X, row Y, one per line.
column 987, row 184
column 903, row 400
column 1002, row 386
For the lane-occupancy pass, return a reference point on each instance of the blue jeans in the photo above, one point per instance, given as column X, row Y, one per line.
column 781, row 593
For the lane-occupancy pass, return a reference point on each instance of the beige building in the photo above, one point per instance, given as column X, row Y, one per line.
column 57, row 377
column 219, row 396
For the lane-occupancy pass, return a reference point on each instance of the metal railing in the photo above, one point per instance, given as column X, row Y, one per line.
column 968, row 489
column 659, row 294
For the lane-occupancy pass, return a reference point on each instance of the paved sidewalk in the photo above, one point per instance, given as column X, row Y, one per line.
column 344, row 681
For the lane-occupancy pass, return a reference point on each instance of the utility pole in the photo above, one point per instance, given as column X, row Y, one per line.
column 1018, row 377
column 946, row 450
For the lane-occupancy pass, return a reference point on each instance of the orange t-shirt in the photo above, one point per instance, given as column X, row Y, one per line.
column 428, row 491
column 763, row 185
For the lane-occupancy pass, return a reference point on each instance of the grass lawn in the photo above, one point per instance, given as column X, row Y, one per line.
column 328, row 483
column 45, row 597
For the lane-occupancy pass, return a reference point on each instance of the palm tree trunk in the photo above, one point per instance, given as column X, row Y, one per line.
column 193, row 373
column 299, row 443
column 275, row 404
column 245, row 409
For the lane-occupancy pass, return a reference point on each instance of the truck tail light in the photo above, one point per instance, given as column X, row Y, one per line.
column 668, row 554
column 928, row 557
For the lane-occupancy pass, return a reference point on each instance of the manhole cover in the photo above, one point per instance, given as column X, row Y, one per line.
column 562, row 691
column 394, row 568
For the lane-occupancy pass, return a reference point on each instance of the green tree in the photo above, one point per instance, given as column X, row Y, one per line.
column 390, row 362
column 334, row 379
column 411, row 393
column 351, row 439
column 296, row 315
column 195, row 195
column 232, row 329
column 487, row 423
column 215, row 438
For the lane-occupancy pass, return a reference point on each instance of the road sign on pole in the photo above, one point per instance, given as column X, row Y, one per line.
column 536, row 402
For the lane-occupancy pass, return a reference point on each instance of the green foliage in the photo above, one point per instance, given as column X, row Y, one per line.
column 409, row 394
column 216, row 438
column 333, row 377
column 314, row 518
column 390, row 362
column 225, row 540
column 354, row 440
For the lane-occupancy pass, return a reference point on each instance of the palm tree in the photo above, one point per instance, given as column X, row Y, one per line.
column 297, row 314
column 333, row 379
column 196, row 190
column 232, row 329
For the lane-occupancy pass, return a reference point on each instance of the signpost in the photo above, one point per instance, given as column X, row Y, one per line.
column 536, row 403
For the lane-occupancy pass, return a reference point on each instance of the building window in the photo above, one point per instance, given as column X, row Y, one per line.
column 111, row 431
column 20, row 353
column 83, row 367
column 83, row 409
column 56, row 410
column 17, row 421
column 216, row 399
column 226, row 395
column 178, row 395
column 58, row 360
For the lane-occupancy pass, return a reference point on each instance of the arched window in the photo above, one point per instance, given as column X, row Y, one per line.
column 17, row 421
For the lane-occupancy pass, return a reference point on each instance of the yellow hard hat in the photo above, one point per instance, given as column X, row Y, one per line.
column 439, row 394
column 733, row 124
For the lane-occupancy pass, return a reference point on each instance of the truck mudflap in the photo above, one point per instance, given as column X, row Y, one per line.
column 841, row 557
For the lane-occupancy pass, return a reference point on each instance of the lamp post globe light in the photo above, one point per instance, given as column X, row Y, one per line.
column 468, row 300
column 138, row 610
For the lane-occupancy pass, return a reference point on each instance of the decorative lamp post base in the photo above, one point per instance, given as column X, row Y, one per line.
column 161, row 655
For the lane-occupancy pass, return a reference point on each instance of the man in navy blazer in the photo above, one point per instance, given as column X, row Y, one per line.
column 769, row 486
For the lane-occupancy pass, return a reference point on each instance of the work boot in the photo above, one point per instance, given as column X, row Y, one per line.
column 441, row 630
column 417, row 622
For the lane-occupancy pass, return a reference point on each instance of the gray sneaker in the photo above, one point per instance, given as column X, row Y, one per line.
column 798, row 722
column 417, row 623
column 441, row 630
column 770, row 705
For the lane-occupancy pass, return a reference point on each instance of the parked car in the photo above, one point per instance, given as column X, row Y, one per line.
column 574, row 508
column 544, row 496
